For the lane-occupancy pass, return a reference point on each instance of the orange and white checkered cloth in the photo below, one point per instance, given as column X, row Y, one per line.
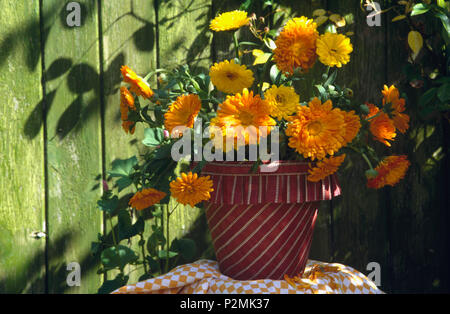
column 204, row 277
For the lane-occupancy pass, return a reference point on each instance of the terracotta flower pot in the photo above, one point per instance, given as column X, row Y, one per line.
column 262, row 223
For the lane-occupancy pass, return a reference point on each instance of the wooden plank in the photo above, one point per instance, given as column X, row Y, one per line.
column 22, row 187
column 129, row 38
column 359, row 215
column 184, row 38
column 73, row 143
column 417, row 205
column 184, row 35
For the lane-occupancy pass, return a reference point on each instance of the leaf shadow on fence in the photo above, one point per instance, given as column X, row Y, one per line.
column 54, row 279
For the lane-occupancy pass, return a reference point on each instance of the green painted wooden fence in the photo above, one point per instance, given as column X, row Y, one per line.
column 60, row 130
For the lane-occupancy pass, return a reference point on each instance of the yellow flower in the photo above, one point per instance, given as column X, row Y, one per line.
column 191, row 189
column 325, row 168
column 317, row 130
column 230, row 77
column 243, row 110
column 126, row 104
column 390, row 171
column 138, row 85
column 381, row 127
column 392, row 95
column 283, row 101
column 146, row 198
column 229, row 21
column 296, row 45
column 334, row 49
column 182, row 112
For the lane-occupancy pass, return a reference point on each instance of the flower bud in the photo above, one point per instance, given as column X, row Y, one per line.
column 371, row 173
column 266, row 29
column 364, row 109
column 348, row 93
column 166, row 134
column 105, row 186
column 253, row 16
column 261, row 19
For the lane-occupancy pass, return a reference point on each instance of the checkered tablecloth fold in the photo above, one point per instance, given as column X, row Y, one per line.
column 204, row 277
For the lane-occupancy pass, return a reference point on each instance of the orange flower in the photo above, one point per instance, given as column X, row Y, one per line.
column 352, row 125
column 392, row 95
column 138, row 85
column 182, row 112
column 146, row 198
column 317, row 130
column 243, row 110
column 381, row 127
column 296, row 45
column 325, row 168
column 390, row 171
column 126, row 104
column 191, row 189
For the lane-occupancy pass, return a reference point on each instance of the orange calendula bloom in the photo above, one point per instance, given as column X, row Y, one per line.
column 296, row 45
column 381, row 127
column 241, row 116
column 352, row 125
column 126, row 104
column 182, row 112
column 137, row 84
column 392, row 95
column 390, row 171
column 317, row 130
column 146, row 198
column 325, row 168
column 191, row 189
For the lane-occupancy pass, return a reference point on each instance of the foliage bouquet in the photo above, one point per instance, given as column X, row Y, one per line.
column 227, row 115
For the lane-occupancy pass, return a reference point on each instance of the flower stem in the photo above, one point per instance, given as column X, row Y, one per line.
column 367, row 160
column 166, row 269
column 236, row 45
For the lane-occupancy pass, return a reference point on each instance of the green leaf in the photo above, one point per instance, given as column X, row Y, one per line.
column 444, row 92
column 420, row 8
column 126, row 229
column 153, row 137
column 123, row 167
column 153, row 264
column 186, row 247
column 119, row 256
column 123, row 183
column 322, row 92
column 154, row 240
column 427, row 97
column 198, row 167
column 331, row 79
column 244, row 6
column 108, row 205
column 163, row 254
column 110, row 285
column 248, row 43
column 445, row 21
column 144, row 277
column 163, row 152
column 95, row 247
column 274, row 73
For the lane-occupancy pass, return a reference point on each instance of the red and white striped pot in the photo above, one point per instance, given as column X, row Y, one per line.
column 262, row 223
